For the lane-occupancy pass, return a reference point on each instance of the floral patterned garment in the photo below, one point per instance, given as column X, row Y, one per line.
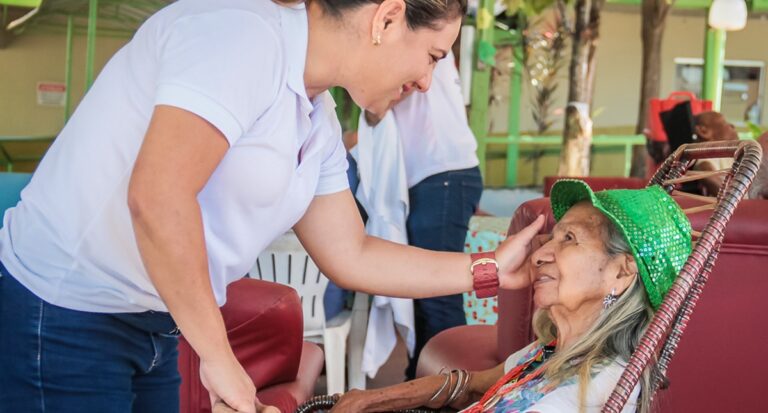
column 520, row 399
column 565, row 398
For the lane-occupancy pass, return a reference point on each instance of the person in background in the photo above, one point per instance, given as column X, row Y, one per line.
column 444, row 183
column 710, row 127
column 759, row 188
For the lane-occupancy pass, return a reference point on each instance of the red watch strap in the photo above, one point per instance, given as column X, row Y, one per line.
column 485, row 273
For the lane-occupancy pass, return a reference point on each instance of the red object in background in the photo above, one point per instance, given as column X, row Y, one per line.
column 660, row 105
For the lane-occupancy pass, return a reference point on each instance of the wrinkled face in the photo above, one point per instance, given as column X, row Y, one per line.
column 404, row 60
column 572, row 270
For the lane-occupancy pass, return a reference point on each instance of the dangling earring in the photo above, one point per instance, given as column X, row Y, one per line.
column 377, row 40
column 610, row 299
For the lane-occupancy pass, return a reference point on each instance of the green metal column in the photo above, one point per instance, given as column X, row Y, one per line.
column 90, row 53
column 513, row 116
column 481, row 79
column 68, row 70
column 714, row 58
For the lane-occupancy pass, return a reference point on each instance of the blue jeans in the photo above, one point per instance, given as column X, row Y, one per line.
column 441, row 206
column 60, row 360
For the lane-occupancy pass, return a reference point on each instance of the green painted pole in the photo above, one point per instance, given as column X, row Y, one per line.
column 90, row 53
column 68, row 69
column 627, row 159
column 513, row 116
column 714, row 58
column 481, row 80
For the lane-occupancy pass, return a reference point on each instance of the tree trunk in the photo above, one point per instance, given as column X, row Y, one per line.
column 577, row 133
column 654, row 14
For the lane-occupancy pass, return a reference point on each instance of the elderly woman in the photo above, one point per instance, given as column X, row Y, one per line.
column 597, row 281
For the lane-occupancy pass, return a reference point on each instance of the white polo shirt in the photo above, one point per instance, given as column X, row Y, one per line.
column 433, row 127
column 239, row 64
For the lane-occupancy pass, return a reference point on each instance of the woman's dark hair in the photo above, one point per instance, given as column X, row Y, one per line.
column 418, row 13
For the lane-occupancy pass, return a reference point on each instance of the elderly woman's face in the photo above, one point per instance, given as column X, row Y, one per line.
column 573, row 270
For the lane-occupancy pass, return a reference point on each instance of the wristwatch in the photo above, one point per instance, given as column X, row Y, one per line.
column 485, row 274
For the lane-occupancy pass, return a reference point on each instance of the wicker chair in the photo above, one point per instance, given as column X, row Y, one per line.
column 666, row 329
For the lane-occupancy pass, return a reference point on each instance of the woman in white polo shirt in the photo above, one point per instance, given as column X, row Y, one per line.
column 209, row 134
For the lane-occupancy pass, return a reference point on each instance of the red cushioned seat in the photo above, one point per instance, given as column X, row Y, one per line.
column 265, row 328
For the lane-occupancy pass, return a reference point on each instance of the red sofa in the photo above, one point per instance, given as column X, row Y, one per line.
column 265, row 328
column 722, row 359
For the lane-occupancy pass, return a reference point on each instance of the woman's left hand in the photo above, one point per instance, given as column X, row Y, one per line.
column 513, row 256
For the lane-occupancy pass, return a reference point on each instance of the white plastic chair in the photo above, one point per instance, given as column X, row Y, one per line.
column 286, row 262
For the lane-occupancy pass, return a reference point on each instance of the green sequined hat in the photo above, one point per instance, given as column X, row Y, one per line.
column 654, row 226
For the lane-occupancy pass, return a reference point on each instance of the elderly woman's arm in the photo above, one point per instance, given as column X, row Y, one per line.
column 417, row 393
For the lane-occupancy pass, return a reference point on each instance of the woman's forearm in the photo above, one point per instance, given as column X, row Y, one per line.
column 396, row 270
column 333, row 234
column 408, row 395
column 433, row 392
column 169, row 234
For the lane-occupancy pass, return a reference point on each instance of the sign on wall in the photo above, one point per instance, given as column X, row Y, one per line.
column 51, row 93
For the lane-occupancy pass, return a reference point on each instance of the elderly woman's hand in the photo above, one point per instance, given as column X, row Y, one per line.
column 353, row 401
column 513, row 256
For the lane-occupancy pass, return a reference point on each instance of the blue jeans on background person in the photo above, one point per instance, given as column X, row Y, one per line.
column 440, row 208
column 59, row 360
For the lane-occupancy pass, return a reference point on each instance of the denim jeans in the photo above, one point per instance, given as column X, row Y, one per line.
column 59, row 360
column 441, row 206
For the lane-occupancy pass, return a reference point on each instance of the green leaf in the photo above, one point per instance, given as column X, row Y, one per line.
column 754, row 129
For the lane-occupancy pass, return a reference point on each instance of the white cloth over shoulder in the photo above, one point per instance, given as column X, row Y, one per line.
column 383, row 193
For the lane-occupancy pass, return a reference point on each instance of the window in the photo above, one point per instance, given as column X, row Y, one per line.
column 742, row 99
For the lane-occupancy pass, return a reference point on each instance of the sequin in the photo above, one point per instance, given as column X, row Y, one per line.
column 654, row 226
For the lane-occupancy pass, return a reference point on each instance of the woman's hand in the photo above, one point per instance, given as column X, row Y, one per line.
column 513, row 256
column 221, row 407
column 353, row 401
column 227, row 382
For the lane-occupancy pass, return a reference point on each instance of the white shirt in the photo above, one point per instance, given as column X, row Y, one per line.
column 238, row 64
column 384, row 196
column 433, row 127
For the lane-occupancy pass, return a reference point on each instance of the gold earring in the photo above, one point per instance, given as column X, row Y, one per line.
column 377, row 40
